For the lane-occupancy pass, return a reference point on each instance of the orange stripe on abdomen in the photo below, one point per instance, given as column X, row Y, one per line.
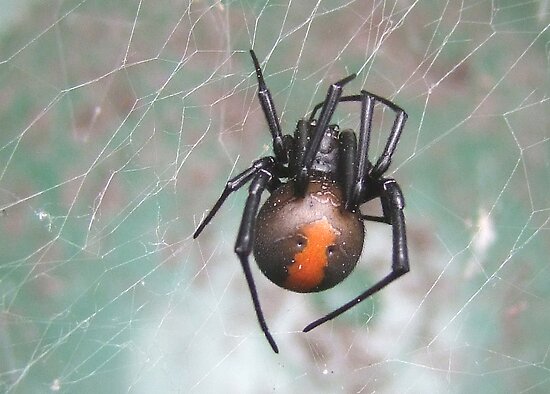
column 308, row 269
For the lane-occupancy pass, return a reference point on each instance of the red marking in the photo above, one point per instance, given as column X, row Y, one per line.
column 308, row 269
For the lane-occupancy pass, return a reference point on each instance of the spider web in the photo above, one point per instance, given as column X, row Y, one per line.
column 121, row 121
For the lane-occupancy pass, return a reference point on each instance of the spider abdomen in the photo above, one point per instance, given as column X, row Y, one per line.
column 310, row 243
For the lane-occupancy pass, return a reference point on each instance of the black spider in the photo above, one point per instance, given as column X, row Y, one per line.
column 309, row 233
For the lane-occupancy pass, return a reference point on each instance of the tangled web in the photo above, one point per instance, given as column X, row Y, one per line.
column 121, row 122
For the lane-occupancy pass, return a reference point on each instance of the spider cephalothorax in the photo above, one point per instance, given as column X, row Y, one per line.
column 308, row 235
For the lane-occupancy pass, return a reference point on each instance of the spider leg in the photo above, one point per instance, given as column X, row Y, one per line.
column 362, row 163
column 342, row 99
column 329, row 106
column 386, row 208
column 244, row 243
column 232, row 185
column 346, row 164
column 392, row 205
column 380, row 219
column 364, row 168
column 268, row 108
column 300, row 140
column 384, row 160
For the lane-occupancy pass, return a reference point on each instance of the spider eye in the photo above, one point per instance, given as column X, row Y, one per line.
column 331, row 249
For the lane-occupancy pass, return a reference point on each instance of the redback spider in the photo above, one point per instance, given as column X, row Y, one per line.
column 308, row 235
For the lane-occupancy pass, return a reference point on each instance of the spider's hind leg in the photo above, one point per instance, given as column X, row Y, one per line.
column 393, row 204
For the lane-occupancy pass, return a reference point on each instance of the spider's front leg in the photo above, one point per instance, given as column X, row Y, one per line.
column 268, row 108
column 393, row 203
column 329, row 106
column 245, row 240
column 384, row 160
column 364, row 169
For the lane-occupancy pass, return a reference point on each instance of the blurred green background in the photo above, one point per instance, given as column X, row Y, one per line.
column 120, row 123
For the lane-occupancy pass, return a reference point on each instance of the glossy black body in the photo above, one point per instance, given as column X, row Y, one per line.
column 300, row 241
